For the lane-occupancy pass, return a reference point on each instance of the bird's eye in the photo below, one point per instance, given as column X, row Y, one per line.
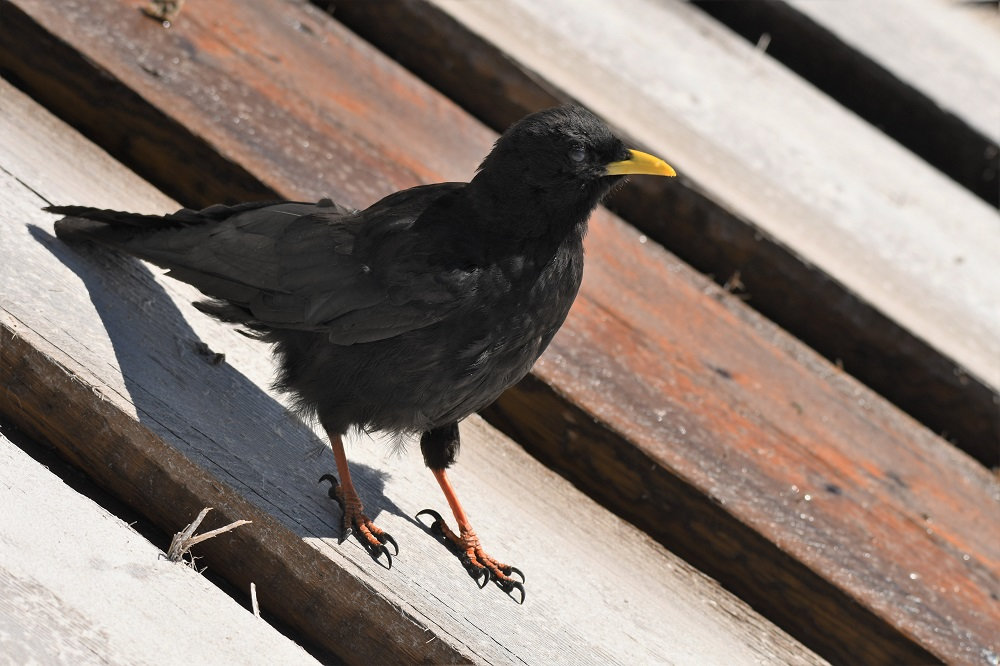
column 577, row 153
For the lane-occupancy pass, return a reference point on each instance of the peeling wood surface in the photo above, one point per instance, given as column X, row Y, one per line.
column 735, row 421
column 98, row 356
column 81, row 586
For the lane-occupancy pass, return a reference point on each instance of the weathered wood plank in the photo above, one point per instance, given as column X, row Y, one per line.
column 719, row 237
column 729, row 414
column 921, row 71
column 81, row 586
column 100, row 357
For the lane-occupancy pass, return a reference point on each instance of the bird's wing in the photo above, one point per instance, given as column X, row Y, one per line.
column 295, row 266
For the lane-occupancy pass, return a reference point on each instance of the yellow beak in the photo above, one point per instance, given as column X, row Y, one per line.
column 640, row 163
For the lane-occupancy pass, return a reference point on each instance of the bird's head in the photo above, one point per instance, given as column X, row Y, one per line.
column 558, row 164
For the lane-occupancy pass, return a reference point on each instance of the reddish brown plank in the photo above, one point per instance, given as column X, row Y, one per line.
column 730, row 415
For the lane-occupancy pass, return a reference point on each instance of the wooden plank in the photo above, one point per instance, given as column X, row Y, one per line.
column 716, row 237
column 732, row 418
column 100, row 356
column 944, row 51
column 927, row 85
column 81, row 586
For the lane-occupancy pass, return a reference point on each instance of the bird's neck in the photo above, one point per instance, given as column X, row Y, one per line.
column 517, row 210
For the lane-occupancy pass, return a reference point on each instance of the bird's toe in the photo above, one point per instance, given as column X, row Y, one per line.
column 480, row 566
column 508, row 570
column 355, row 522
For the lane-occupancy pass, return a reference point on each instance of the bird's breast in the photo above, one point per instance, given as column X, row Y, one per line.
column 523, row 304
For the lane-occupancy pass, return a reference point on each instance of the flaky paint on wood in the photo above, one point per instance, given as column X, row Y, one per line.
column 101, row 357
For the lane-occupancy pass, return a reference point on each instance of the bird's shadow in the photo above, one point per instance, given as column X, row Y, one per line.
column 151, row 339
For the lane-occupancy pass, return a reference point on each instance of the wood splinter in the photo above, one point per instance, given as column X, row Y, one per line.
column 253, row 600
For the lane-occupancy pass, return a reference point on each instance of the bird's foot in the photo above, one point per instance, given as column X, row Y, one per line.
column 476, row 561
column 370, row 535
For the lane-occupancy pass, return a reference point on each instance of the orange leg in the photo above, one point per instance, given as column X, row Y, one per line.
column 372, row 537
column 466, row 544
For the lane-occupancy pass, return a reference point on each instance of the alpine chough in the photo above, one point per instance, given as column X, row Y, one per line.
column 411, row 314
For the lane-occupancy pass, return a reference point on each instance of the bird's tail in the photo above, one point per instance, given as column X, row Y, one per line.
column 117, row 218
column 113, row 227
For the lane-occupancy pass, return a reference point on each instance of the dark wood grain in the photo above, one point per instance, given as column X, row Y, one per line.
column 155, row 143
column 729, row 411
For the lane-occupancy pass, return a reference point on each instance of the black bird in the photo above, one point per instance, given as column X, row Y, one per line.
column 411, row 314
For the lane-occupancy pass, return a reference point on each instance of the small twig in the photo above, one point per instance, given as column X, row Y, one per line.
column 214, row 533
column 182, row 542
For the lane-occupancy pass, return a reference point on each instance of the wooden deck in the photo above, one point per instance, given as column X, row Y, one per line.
column 838, row 526
column 102, row 359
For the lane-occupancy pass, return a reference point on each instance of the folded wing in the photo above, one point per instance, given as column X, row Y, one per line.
column 291, row 265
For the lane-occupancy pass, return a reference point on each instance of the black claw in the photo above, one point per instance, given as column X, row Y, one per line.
column 436, row 527
column 345, row 534
column 388, row 557
column 378, row 552
column 385, row 538
column 510, row 586
column 474, row 570
column 475, row 573
column 513, row 570
column 433, row 514
column 332, row 492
